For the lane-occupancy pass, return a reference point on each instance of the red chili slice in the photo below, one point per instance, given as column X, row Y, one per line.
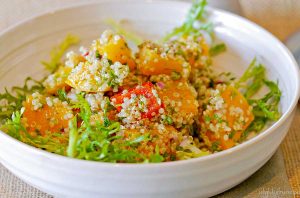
column 146, row 90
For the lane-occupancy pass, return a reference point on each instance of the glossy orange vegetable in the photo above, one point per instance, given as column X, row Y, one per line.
column 47, row 118
column 193, row 49
column 233, row 98
column 180, row 101
column 151, row 61
column 238, row 113
column 117, row 50
column 193, row 57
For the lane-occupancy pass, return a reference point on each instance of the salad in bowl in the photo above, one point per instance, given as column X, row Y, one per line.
column 161, row 102
column 188, row 112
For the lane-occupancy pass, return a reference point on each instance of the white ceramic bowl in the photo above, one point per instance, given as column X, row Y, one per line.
column 23, row 46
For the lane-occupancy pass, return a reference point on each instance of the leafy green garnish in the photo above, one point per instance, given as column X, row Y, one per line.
column 156, row 157
column 265, row 109
column 188, row 149
column 96, row 142
column 62, row 95
column 231, row 134
column 12, row 101
column 207, row 118
column 253, row 79
column 139, row 139
column 188, row 154
column 267, row 106
column 217, row 49
column 14, row 126
column 107, row 107
column 168, row 120
column 98, row 55
column 256, row 125
column 120, row 30
column 195, row 14
column 73, row 137
column 215, row 146
column 175, row 75
column 57, row 52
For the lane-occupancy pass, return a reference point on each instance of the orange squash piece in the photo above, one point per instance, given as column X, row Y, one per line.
column 233, row 98
column 193, row 49
column 194, row 58
column 153, row 61
column 54, row 118
column 231, row 125
column 116, row 49
column 180, row 101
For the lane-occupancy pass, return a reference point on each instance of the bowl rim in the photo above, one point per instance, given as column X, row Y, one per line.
column 263, row 134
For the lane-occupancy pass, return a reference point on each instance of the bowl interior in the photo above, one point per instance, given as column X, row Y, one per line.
column 24, row 46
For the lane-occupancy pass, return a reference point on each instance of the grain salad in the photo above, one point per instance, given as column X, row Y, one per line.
column 162, row 102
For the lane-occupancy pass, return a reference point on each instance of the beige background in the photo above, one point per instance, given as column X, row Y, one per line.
column 281, row 173
column 281, row 17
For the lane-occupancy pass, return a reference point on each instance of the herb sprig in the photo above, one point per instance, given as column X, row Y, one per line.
column 120, row 30
column 11, row 102
column 217, row 49
column 266, row 108
column 252, row 79
column 96, row 142
column 195, row 15
column 194, row 24
column 57, row 53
